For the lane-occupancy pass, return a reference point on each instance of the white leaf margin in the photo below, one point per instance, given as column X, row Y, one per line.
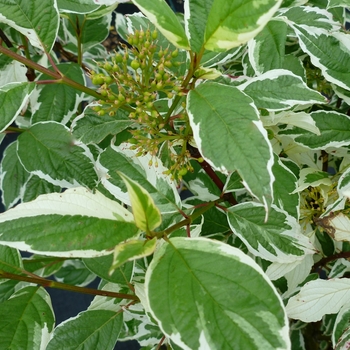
column 31, row 33
column 303, row 183
column 153, row 173
column 276, row 74
column 318, row 298
column 299, row 119
column 74, row 201
column 28, row 90
column 62, row 182
column 344, row 184
column 302, row 242
column 224, row 250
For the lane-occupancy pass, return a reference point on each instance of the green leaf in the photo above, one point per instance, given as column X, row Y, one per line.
column 280, row 89
column 343, row 187
column 76, row 223
column 29, row 319
column 205, row 275
column 146, row 214
column 283, row 188
column 312, row 17
column 231, row 24
column 7, row 289
column 77, row 6
column 101, row 266
column 277, row 240
column 58, row 102
column 162, row 16
column 267, row 49
column 232, row 138
column 341, row 326
column 91, row 329
column 10, row 260
column 132, row 250
column 329, row 52
column 312, row 177
column 196, row 15
column 13, row 177
column 36, row 186
column 13, row 97
column 91, row 31
column 151, row 178
column 90, row 127
column 38, row 20
column 48, row 151
column 334, row 128
column 336, row 3
column 74, row 272
column 42, row 265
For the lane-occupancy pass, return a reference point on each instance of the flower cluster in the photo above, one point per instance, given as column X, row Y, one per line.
column 135, row 79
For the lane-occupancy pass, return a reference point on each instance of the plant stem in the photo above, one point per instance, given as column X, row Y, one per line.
column 5, row 39
column 211, row 173
column 53, row 284
column 60, row 79
column 326, row 260
column 191, row 218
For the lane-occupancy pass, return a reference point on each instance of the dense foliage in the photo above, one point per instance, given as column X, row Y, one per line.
column 243, row 105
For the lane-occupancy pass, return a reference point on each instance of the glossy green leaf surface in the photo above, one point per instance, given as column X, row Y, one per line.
column 146, row 215
column 38, row 20
column 76, row 223
column 13, row 98
column 58, row 102
column 279, row 89
column 231, row 24
column 240, row 142
column 277, row 240
column 132, row 250
column 196, row 15
column 54, row 155
column 93, row 128
column 267, row 49
column 29, row 319
column 211, row 315
column 92, row 329
column 13, row 177
column 334, row 129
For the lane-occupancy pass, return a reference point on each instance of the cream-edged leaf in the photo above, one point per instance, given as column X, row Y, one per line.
column 163, row 17
column 146, row 215
column 318, row 298
column 232, row 23
column 75, row 223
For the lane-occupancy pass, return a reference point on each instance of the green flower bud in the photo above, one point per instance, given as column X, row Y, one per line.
column 108, row 79
column 154, row 35
column 135, row 64
column 98, row 79
column 182, row 172
column 118, row 58
column 107, row 66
